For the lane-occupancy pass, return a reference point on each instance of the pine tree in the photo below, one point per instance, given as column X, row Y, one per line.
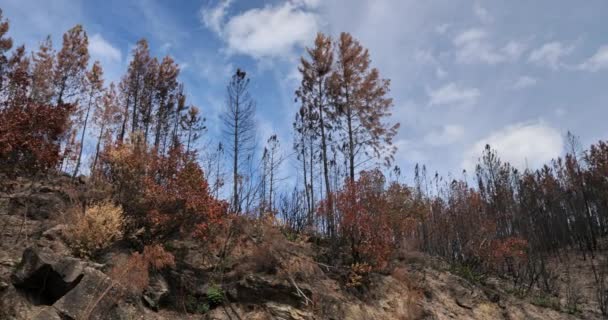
column 166, row 94
column 361, row 105
column 313, row 93
column 133, row 87
column 72, row 61
column 6, row 43
column 107, row 117
column 94, row 88
column 193, row 124
column 42, row 73
column 239, row 129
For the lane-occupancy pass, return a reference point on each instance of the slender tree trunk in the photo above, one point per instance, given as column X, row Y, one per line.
column 97, row 148
column 160, row 121
column 189, row 138
column 61, row 90
column 123, row 128
column 306, row 191
column 235, row 169
column 134, row 120
column 174, row 135
column 217, row 176
column 148, row 119
column 312, row 180
column 84, row 130
column 271, row 179
column 351, row 147
column 330, row 213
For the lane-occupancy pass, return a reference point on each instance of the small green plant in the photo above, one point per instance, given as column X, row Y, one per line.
column 572, row 309
column 467, row 273
column 290, row 236
column 546, row 301
column 215, row 296
column 196, row 305
column 517, row 292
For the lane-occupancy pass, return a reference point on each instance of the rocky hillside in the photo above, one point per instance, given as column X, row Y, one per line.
column 254, row 271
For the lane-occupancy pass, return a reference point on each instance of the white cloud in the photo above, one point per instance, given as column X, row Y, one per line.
column 523, row 145
column 598, row 61
column 525, row 82
column 452, row 94
column 482, row 14
column 448, row 134
column 473, row 46
column 213, row 17
column 101, row 49
column 408, row 151
column 468, row 36
column 550, row 55
column 514, row 49
column 269, row 32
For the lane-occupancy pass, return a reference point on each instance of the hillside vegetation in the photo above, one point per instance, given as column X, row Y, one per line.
column 148, row 226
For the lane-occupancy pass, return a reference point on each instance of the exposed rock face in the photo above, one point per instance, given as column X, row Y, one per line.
column 260, row 289
column 40, row 202
column 92, row 298
column 45, row 277
column 73, row 289
column 156, row 291
column 48, row 313
column 286, row 312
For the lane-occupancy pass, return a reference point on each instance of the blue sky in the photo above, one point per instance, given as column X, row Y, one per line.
column 515, row 74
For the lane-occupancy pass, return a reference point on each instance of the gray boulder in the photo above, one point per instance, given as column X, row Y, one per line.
column 157, row 290
column 45, row 277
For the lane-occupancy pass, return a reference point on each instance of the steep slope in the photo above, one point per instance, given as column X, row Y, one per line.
column 253, row 272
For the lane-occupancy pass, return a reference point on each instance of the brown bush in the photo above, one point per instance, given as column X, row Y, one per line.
column 30, row 136
column 263, row 260
column 358, row 275
column 162, row 194
column 96, row 229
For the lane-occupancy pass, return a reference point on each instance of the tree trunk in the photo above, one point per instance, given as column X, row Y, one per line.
column 235, row 170
column 351, row 148
column 160, row 121
column 306, row 191
column 330, row 213
column 97, row 148
column 84, row 130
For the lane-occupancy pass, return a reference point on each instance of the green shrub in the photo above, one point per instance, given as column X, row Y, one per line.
column 215, row 296
column 195, row 305
column 546, row 301
column 468, row 273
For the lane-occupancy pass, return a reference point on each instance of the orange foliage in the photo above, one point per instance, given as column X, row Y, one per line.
column 511, row 250
column 164, row 194
column 30, row 136
column 364, row 219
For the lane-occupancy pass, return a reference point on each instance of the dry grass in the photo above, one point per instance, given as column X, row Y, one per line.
column 96, row 229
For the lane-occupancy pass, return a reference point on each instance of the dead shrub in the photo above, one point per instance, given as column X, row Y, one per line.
column 410, row 256
column 263, row 260
column 358, row 275
column 131, row 275
column 401, row 274
column 96, row 229
column 301, row 268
